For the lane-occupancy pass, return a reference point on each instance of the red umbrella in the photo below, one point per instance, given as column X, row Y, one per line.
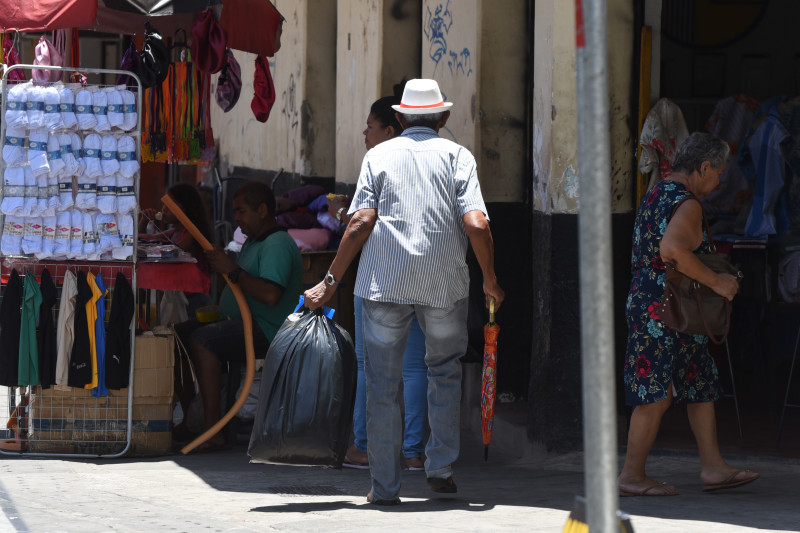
column 490, row 333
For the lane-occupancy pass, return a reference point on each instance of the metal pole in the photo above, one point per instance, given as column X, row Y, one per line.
column 594, row 225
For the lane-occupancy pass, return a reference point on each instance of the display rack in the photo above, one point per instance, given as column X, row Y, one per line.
column 64, row 421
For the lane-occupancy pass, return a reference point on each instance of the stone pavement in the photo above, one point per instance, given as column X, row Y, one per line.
column 223, row 492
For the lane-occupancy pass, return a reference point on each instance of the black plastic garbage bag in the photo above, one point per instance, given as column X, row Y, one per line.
column 305, row 403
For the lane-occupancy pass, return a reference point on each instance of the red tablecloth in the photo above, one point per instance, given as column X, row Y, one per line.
column 185, row 277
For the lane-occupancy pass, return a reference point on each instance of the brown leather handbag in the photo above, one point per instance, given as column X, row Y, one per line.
column 690, row 307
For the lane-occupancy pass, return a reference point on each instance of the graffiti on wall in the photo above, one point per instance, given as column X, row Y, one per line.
column 291, row 114
column 437, row 29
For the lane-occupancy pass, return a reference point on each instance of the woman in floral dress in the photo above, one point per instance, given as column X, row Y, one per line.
column 662, row 365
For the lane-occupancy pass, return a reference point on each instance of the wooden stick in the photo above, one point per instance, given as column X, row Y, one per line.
column 248, row 332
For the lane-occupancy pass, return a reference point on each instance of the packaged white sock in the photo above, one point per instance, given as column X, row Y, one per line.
column 52, row 115
column 11, row 242
column 108, row 232
column 34, row 106
column 37, row 151
column 13, row 191
column 131, row 117
column 42, row 208
column 90, row 239
column 77, row 153
column 63, row 227
column 54, row 158
column 100, row 110
column 65, row 197
column 83, row 110
column 48, row 238
column 126, row 195
column 125, row 225
column 126, row 154
column 91, row 155
column 32, row 235
column 30, row 206
column 76, row 235
column 86, row 193
column 16, row 113
column 53, row 201
column 14, row 150
column 108, row 155
column 107, row 194
column 66, row 106
column 116, row 113
column 70, row 163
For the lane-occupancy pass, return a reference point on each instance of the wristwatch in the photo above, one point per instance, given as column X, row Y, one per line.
column 330, row 280
column 233, row 275
column 339, row 214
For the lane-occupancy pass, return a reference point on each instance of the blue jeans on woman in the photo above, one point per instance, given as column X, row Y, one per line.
column 415, row 387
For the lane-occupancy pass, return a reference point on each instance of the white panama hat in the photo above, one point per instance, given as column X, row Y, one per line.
column 422, row 97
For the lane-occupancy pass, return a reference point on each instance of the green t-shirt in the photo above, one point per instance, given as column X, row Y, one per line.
column 276, row 259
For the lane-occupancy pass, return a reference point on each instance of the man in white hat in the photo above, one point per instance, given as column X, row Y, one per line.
column 416, row 207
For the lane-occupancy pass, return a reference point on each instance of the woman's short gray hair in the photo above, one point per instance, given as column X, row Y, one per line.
column 700, row 147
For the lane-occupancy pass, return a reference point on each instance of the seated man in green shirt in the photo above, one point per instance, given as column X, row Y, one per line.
column 269, row 272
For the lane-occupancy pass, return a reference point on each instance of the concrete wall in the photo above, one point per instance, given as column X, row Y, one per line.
column 298, row 136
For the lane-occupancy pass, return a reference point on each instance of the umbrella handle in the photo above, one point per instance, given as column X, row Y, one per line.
column 491, row 309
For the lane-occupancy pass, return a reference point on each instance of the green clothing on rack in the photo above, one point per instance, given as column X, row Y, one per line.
column 28, row 347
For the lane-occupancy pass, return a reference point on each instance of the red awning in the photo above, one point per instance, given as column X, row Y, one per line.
column 46, row 15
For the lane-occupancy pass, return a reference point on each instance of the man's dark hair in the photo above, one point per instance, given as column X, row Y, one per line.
column 255, row 193
column 382, row 111
column 428, row 120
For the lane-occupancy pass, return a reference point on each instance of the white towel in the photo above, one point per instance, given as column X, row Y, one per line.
column 83, row 110
column 54, row 158
column 77, row 152
column 11, row 242
column 66, row 199
column 108, row 155
column 66, row 107
column 126, row 154
column 52, row 115
column 109, row 233
column 32, row 235
column 70, row 163
column 107, row 194
column 63, row 227
column 129, row 109
column 42, row 207
column 91, row 155
column 13, row 191
column 125, row 225
column 90, row 239
column 30, row 205
column 53, row 201
column 64, row 330
column 86, row 193
column 76, row 235
column 126, row 195
column 116, row 112
column 100, row 110
column 34, row 106
column 37, row 151
column 14, row 150
column 16, row 114
column 48, row 238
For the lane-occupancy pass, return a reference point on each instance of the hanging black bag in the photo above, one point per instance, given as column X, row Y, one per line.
column 155, row 58
column 305, row 402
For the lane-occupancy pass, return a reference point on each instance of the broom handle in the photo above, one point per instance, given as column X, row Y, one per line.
column 248, row 331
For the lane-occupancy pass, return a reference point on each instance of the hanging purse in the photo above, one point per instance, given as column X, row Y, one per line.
column 690, row 307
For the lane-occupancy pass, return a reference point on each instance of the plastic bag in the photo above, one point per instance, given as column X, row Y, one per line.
column 307, row 392
column 173, row 308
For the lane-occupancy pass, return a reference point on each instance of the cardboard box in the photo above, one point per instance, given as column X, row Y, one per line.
column 73, row 421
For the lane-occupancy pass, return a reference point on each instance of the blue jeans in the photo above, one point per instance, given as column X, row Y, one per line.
column 386, row 327
column 415, row 389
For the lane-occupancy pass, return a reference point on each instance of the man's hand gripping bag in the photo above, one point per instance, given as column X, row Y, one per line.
column 305, row 403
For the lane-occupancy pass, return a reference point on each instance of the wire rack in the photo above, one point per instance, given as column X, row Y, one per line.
column 60, row 420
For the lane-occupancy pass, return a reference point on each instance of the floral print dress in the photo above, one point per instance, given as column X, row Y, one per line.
column 657, row 355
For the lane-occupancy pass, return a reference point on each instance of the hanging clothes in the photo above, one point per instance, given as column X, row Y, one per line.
column 65, row 331
column 118, row 339
column 10, row 321
column 28, row 371
column 91, row 323
column 47, row 332
column 663, row 131
column 100, row 339
column 80, row 365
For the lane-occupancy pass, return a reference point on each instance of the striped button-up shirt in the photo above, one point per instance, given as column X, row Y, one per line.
column 421, row 185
